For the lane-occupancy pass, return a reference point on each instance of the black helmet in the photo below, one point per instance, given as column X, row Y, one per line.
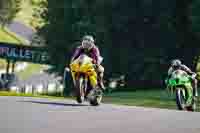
column 176, row 62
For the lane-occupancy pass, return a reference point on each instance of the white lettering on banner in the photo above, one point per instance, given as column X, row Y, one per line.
column 24, row 53
column 28, row 54
column 33, row 55
column 12, row 53
column 4, row 50
column 44, row 56
column 21, row 53
column 38, row 57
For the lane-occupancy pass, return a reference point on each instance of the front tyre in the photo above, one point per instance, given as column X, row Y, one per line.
column 80, row 90
column 180, row 98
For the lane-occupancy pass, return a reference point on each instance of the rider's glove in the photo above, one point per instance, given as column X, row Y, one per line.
column 67, row 69
column 166, row 81
column 94, row 62
column 194, row 75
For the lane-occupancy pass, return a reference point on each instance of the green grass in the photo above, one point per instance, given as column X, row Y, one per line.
column 151, row 98
column 6, row 36
column 20, row 40
column 25, row 15
column 5, row 93
column 30, row 70
column 3, row 64
column 147, row 98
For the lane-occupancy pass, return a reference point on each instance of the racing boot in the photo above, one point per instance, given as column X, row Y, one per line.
column 101, row 84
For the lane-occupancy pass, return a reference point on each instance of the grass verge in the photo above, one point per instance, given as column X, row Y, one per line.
column 143, row 98
column 148, row 98
column 30, row 70
column 5, row 93
column 6, row 36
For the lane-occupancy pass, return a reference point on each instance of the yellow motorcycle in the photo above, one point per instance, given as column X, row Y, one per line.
column 85, row 80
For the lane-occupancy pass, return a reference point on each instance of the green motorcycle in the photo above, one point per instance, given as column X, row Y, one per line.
column 181, row 83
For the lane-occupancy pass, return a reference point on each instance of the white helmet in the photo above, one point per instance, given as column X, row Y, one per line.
column 88, row 42
column 176, row 62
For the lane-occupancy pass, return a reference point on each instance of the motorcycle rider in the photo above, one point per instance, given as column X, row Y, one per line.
column 89, row 48
column 177, row 65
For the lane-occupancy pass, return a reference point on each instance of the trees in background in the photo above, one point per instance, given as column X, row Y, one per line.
column 137, row 38
column 8, row 11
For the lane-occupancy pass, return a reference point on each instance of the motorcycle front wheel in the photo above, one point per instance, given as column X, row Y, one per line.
column 80, row 90
column 180, row 98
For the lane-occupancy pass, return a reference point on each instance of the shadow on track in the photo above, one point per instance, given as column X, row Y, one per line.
column 54, row 103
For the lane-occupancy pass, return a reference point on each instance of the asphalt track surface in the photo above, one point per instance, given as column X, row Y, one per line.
column 38, row 115
column 21, row 30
